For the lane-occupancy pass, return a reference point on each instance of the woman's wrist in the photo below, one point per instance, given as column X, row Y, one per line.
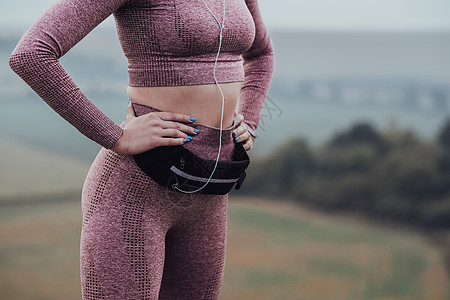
column 120, row 146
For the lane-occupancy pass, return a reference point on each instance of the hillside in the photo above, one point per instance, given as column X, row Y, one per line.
column 275, row 251
column 31, row 175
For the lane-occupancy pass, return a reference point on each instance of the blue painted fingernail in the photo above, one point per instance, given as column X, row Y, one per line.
column 192, row 119
column 237, row 139
column 185, row 140
column 235, row 133
column 196, row 130
column 189, row 137
column 129, row 100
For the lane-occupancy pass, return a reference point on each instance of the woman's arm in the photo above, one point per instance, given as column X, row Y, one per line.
column 258, row 68
column 35, row 60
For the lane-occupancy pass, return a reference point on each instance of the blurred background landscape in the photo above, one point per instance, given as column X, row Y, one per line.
column 348, row 195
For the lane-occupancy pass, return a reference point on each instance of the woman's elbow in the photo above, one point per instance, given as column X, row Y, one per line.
column 27, row 61
column 19, row 59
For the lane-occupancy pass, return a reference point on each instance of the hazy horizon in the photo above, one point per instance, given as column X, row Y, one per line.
column 344, row 15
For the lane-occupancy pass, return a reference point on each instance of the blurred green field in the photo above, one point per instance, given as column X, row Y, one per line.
column 31, row 175
column 275, row 251
column 282, row 251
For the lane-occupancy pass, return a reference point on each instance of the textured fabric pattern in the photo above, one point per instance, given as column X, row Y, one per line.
column 167, row 43
column 175, row 42
column 142, row 241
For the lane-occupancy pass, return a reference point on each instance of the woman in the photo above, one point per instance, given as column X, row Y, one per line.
column 189, row 63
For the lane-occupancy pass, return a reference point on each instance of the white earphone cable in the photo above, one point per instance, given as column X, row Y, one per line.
column 222, row 26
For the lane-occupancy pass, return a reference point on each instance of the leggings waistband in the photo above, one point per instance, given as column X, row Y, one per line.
column 206, row 132
column 205, row 144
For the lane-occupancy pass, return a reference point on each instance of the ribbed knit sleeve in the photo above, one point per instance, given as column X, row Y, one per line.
column 258, row 70
column 35, row 60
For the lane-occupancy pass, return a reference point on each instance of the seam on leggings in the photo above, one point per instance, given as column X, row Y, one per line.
column 133, row 234
column 111, row 162
column 213, row 289
column 92, row 288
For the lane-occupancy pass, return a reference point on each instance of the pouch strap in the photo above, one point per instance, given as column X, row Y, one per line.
column 240, row 180
column 202, row 179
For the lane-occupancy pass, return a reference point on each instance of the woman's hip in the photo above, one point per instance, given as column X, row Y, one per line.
column 112, row 173
column 205, row 144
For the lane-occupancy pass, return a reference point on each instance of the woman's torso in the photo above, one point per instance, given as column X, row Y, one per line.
column 171, row 66
column 204, row 102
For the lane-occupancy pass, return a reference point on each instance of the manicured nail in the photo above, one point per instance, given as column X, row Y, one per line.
column 189, row 137
column 196, row 130
column 235, row 133
column 236, row 139
column 129, row 100
column 185, row 140
column 192, row 119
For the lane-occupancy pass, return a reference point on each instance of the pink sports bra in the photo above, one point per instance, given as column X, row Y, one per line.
column 166, row 42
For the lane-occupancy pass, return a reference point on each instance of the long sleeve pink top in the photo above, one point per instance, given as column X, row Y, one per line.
column 166, row 42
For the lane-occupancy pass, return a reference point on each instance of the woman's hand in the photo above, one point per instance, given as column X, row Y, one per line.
column 152, row 130
column 241, row 133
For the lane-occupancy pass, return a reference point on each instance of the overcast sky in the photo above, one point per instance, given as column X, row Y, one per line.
column 298, row 14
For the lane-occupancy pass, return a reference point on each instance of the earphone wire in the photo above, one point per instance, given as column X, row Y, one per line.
column 222, row 26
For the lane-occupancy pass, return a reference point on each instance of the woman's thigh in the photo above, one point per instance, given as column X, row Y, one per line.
column 195, row 251
column 123, row 232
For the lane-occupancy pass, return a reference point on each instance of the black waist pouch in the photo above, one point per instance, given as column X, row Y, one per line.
column 175, row 166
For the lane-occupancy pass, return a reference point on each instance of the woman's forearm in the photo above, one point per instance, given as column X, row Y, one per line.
column 35, row 60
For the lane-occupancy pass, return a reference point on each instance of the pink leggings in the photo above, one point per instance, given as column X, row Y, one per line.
column 140, row 240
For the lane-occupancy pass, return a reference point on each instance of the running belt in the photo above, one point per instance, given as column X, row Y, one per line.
column 176, row 166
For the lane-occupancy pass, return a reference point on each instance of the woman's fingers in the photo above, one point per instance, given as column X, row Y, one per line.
column 179, row 126
column 239, row 118
column 171, row 116
column 248, row 144
column 153, row 130
column 171, row 141
column 173, row 133
column 241, row 132
column 169, row 120
column 242, row 135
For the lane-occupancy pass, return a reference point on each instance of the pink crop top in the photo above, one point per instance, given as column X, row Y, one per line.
column 166, row 42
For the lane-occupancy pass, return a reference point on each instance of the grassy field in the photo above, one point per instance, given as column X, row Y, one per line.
column 282, row 251
column 29, row 175
column 275, row 251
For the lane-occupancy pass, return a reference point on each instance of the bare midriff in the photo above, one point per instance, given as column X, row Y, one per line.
column 204, row 102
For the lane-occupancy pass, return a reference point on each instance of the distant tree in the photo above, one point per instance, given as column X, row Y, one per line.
column 397, row 136
column 444, row 136
column 444, row 164
column 418, row 185
column 362, row 132
column 444, row 160
column 290, row 163
column 358, row 157
column 280, row 173
column 394, row 175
